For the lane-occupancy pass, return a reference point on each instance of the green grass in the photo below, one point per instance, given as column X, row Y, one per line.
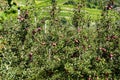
column 93, row 13
column 66, row 10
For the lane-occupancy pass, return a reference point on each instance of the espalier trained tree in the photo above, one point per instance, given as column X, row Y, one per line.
column 69, row 50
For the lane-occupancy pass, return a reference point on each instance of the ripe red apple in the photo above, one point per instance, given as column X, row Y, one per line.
column 30, row 56
column 114, row 37
column 54, row 44
column 111, row 56
column 39, row 29
column 33, row 32
column 103, row 49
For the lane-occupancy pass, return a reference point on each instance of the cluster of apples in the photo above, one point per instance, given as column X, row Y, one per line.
column 108, row 38
column 109, row 7
column 105, row 50
column 36, row 30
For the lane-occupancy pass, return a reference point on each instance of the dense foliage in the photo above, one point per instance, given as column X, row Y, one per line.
column 36, row 47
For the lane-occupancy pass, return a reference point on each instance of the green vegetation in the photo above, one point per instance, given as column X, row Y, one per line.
column 59, row 40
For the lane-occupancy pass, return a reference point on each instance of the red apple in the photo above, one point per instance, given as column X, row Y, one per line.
column 111, row 56
column 103, row 49
column 30, row 56
column 54, row 44
column 39, row 29
column 33, row 32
